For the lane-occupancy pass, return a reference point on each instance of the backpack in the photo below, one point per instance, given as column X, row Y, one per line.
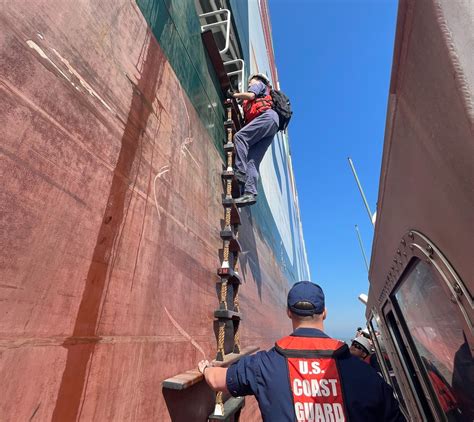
column 281, row 104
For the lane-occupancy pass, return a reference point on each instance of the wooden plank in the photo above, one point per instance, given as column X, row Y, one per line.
column 183, row 380
column 187, row 379
column 227, row 314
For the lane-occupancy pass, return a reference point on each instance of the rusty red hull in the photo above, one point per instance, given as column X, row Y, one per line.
column 111, row 211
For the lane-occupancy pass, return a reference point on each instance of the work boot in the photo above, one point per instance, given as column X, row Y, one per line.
column 245, row 200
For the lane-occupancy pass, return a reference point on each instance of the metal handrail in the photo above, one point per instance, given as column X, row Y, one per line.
column 225, row 21
column 240, row 72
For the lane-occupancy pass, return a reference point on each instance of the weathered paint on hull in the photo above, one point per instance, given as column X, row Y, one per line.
column 111, row 215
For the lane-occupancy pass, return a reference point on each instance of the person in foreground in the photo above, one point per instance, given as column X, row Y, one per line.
column 308, row 376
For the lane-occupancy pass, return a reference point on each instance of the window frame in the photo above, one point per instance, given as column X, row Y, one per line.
column 418, row 398
column 415, row 247
column 394, row 362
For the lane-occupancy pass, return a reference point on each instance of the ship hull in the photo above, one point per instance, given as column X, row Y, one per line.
column 111, row 211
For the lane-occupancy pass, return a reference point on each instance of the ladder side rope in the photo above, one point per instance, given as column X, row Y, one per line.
column 228, row 313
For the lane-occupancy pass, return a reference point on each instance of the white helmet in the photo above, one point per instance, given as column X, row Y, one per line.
column 363, row 342
column 261, row 76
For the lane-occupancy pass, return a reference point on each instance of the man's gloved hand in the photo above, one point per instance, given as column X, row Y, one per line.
column 230, row 93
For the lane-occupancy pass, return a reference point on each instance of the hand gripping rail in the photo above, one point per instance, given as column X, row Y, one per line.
column 240, row 72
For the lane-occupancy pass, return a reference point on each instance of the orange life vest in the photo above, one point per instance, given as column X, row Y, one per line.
column 443, row 391
column 314, row 377
column 253, row 108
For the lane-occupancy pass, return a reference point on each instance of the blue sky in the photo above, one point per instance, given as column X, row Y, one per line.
column 334, row 60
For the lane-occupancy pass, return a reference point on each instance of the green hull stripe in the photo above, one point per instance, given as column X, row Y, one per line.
column 176, row 26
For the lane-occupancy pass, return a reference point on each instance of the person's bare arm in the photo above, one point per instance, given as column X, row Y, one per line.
column 244, row 95
column 215, row 377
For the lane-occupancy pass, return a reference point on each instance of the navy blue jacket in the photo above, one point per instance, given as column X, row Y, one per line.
column 367, row 397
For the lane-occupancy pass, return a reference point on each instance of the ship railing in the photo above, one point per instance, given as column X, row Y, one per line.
column 223, row 24
column 240, row 72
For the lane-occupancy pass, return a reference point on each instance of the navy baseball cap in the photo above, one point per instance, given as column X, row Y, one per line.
column 306, row 298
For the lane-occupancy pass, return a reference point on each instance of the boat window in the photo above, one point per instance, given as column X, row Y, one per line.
column 408, row 366
column 384, row 360
column 435, row 325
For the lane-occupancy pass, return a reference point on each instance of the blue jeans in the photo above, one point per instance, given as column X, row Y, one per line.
column 251, row 143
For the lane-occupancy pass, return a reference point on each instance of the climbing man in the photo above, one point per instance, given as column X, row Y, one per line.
column 253, row 140
column 308, row 376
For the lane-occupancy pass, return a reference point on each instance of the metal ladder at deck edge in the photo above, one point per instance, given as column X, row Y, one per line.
column 228, row 314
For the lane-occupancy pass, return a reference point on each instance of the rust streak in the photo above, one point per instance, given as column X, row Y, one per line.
column 74, row 379
column 9, row 286
column 17, row 343
column 146, row 204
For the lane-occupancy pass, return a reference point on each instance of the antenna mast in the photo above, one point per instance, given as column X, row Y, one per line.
column 362, row 247
column 371, row 216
